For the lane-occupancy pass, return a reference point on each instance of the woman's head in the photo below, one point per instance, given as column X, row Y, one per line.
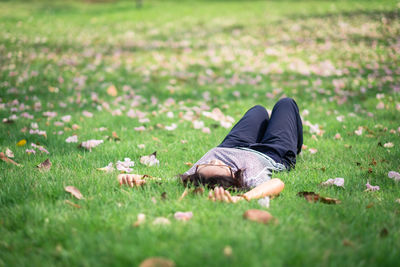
column 234, row 181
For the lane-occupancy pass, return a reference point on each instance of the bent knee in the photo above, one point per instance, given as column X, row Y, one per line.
column 259, row 108
column 287, row 101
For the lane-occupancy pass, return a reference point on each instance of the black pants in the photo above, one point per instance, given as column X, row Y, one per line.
column 280, row 137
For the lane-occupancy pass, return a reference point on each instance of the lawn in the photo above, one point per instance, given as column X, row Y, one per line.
column 151, row 79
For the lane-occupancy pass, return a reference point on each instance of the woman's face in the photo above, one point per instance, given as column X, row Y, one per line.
column 214, row 167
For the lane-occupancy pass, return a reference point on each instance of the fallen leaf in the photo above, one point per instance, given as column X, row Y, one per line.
column 112, row 90
column 4, row 158
column 338, row 136
column 384, row 232
column 183, row 216
column 150, row 160
column 388, row 145
column 89, row 144
column 114, row 137
column 141, row 218
column 75, row 127
column 264, row 202
column 72, row 139
column 359, row 131
column 394, row 175
column 157, row 262
column 260, row 216
column 125, row 166
column 5, row 120
column 370, row 205
column 74, row 191
column 312, row 150
column 347, row 243
column 161, row 221
column 9, row 153
column 45, row 165
column 339, row 182
column 87, row 114
column 108, row 168
column 371, row 187
column 228, row 251
column 72, row 204
column 140, row 129
column 21, row 142
column 313, row 197
column 188, row 164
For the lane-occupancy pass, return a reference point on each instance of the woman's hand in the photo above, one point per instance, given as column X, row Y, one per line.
column 220, row 194
column 131, row 180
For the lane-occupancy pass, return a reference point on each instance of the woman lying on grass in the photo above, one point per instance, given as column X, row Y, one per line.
column 255, row 147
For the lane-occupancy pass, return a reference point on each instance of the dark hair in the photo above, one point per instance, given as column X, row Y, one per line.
column 227, row 182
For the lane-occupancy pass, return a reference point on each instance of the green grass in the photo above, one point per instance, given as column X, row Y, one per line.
column 332, row 57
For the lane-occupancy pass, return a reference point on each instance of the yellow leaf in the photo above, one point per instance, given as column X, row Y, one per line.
column 112, row 91
column 21, row 142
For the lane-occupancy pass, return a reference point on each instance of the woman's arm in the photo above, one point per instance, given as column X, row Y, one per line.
column 269, row 188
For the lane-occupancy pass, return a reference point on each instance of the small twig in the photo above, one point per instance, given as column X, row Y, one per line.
column 184, row 194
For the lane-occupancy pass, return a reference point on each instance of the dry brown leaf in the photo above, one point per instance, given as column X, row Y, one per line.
column 347, row 243
column 72, row 204
column 4, row 158
column 188, row 164
column 45, row 165
column 112, row 90
column 260, row 216
column 74, row 191
column 157, row 262
column 384, row 232
column 313, row 197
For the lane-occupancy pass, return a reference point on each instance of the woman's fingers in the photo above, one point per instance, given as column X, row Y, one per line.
column 122, row 180
column 130, row 180
column 228, row 196
column 211, row 195
column 216, row 193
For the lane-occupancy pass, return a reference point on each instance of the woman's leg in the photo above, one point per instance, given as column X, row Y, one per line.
column 250, row 129
column 284, row 135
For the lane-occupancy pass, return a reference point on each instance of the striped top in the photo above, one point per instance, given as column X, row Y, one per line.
column 257, row 167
